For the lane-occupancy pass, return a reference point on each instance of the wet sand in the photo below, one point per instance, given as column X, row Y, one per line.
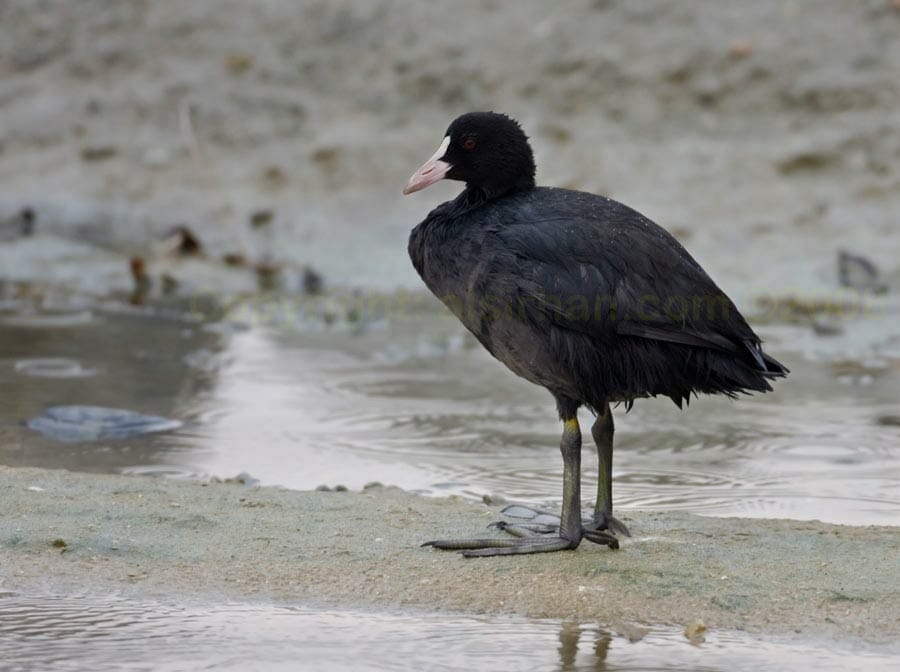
column 141, row 537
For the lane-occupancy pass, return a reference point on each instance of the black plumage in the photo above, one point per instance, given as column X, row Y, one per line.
column 573, row 291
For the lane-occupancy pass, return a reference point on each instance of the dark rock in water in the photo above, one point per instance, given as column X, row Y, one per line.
column 73, row 424
column 858, row 272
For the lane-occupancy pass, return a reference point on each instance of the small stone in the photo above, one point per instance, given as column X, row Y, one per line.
column 98, row 152
column 234, row 259
column 327, row 158
column 59, row 543
column 261, row 218
column 634, row 633
column 243, row 478
column 695, row 632
column 275, row 176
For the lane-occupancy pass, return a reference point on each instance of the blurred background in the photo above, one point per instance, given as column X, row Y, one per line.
column 201, row 221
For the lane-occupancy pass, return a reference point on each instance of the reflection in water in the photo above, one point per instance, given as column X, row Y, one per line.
column 99, row 634
column 416, row 404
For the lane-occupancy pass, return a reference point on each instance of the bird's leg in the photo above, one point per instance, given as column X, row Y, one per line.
column 570, row 528
column 603, row 528
column 570, row 447
column 602, row 431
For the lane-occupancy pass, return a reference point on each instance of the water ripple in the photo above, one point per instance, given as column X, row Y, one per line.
column 49, row 320
column 53, row 367
column 71, row 632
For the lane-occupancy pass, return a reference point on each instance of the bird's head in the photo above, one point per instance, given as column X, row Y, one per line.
column 486, row 150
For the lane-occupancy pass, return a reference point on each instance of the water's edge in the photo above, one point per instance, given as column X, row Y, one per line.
column 145, row 537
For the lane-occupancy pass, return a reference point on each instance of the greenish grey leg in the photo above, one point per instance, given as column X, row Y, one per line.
column 603, row 431
column 570, row 528
column 570, row 447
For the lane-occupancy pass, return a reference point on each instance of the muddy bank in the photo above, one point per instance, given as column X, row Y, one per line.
column 754, row 131
column 150, row 537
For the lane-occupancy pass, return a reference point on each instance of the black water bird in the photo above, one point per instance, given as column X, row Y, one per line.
column 579, row 294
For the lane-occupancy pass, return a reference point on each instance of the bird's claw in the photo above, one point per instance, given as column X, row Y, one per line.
column 601, row 537
column 609, row 523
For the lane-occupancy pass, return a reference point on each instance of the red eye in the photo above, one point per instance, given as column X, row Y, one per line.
column 469, row 143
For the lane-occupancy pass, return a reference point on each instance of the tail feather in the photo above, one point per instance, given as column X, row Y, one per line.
column 774, row 368
column 768, row 365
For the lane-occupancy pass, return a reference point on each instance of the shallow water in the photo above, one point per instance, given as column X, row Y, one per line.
column 84, row 632
column 297, row 399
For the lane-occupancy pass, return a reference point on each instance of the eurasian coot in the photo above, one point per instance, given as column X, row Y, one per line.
column 579, row 294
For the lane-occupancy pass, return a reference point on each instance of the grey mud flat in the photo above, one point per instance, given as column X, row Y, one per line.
column 76, row 533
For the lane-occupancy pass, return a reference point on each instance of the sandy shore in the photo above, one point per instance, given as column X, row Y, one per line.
column 68, row 532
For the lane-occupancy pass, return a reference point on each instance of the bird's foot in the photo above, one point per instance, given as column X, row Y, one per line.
column 538, row 533
column 537, row 521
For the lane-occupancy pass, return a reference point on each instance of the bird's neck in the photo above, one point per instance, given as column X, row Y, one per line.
column 475, row 195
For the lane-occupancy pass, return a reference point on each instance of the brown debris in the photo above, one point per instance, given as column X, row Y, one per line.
column 183, row 242
column 142, row 281
column 234, row 259
column 238, row 62
column 741, row 48
column 268, row 275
